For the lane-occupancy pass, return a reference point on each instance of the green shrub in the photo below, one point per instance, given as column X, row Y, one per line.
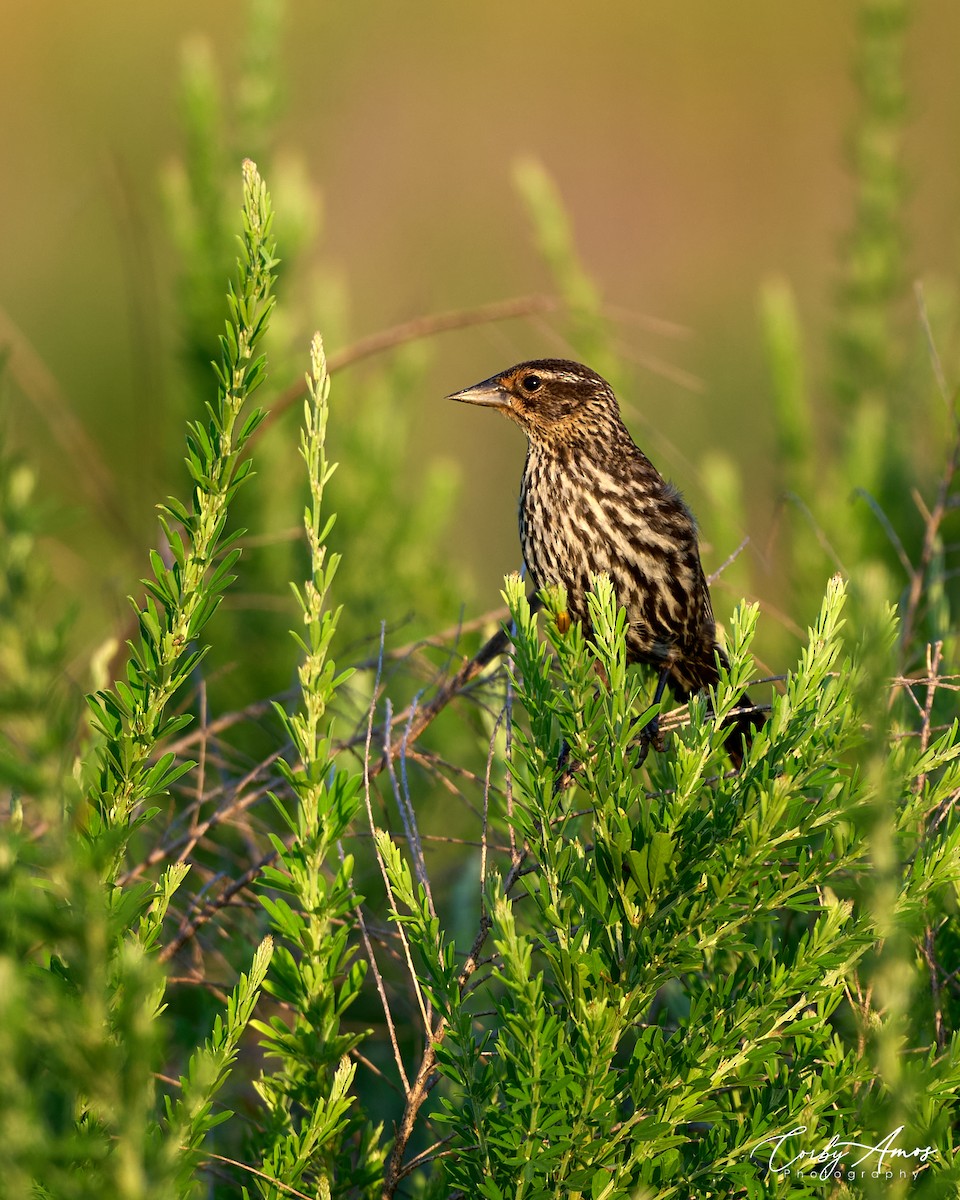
column 364, row 935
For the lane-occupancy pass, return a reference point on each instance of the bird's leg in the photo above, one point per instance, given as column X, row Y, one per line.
column 650, row 735
column 562, row 772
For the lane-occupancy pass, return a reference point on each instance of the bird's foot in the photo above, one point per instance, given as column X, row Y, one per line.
column 564, row 770
column 650, row 736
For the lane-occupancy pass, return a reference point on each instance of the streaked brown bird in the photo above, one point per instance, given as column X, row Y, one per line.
column 591, row 501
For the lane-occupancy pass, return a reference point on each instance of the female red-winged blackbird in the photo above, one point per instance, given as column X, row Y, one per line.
column 591, row 501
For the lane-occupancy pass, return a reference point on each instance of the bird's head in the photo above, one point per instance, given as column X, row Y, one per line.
column 551, row 399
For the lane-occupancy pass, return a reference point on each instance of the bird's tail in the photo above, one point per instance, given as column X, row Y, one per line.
column 689, row 677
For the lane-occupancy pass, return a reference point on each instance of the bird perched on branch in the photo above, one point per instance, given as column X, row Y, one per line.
column 591, row 501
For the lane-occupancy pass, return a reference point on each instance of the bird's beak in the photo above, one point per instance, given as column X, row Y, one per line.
column 489, row 394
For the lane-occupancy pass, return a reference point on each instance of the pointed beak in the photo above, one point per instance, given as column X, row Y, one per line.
column 488, row 394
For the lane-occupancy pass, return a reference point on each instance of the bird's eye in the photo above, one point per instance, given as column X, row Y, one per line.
column 532, row 383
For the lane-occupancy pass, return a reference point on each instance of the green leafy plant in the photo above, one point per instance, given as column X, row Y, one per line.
column 669, row 965
column 307, row 1098
column 419, row 924
column 133, row 718
column 89, row 1122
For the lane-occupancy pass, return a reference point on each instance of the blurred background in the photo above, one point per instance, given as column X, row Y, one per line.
column 699, row 152
column 744, row 214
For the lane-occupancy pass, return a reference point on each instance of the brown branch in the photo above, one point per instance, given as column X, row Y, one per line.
column 436, row 641
column 934, row 656
column 423, row 1082
column 189, row 928
column 931, row 534
column 933, row 518
column 491, row 649
column 381, row 990
column 41, row 389
column 396, row 1169
column 240, row 800
column 415, row 330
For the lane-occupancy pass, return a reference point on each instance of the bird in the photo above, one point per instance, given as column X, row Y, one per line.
column 592, row 502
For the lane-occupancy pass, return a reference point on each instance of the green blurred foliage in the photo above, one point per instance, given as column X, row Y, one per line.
column 403, row 134
column 842, row 457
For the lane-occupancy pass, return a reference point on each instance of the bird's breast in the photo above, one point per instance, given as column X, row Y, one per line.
column 579, row 518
